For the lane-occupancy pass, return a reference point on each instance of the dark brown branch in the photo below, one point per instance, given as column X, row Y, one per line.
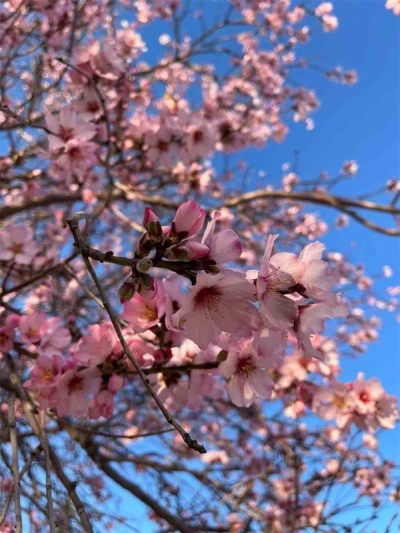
column 340, row 203
column 162, row 512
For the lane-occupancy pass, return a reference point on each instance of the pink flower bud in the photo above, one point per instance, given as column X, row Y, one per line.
column 152, row 224
column 127, row 290
column 189, row 219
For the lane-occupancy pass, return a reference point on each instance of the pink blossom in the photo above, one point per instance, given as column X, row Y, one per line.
column 162, row 150
column 115, row 383
column 223, row 246
column 247, row 376
column 200, row 140
column 270, row 345
column 189, row 219
column 329, row 22
column 278, row 273
column 74, row 389
column 217, row 303
column 45, row 379
column 311, row 320
column 66, row 127
column 387, row 411
column 142, row 347
column 143, row 313
column 350, row 168
column 97, row 345
column 323, row 9
column 393, row 4
column 365, row 394
column 189, row 249
column 55, row 338
column 32, row 327
column 7, row 332
column 102, row 404
column 316, row 277
column 334, row 401
column 17, row 244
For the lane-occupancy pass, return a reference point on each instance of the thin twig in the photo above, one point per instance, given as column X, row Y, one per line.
column 15, row 467
column 28, row 405
column 73, row 223
column 47, row 468
column 25, row 468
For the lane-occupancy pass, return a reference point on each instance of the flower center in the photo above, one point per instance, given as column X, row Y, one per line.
column 48, row 374
column 16, row 248
column 149, row 313
column 75, row 384
column 339, row 401
column 245, row 366
column 66, row 134
column 364, row 396
column 208, row 297
column 198, row 136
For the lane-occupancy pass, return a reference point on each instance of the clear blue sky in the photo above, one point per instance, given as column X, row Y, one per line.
column 362, row 123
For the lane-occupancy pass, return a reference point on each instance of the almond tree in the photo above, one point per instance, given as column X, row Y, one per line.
column 169, row 327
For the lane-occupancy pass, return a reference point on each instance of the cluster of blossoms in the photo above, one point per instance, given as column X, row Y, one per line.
column 225, row 322
column 362, row 402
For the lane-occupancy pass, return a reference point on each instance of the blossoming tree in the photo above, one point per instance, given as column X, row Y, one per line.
column 168, row 329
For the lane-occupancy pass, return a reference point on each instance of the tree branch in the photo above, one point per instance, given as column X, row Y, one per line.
column 73, row 223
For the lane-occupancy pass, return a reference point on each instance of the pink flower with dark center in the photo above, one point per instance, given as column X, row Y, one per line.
column 74, row 389
column 247, row 376
column 45, row 379
column 218, row 303
column 143, row 313
column 17, row 244
column 32, row 327
column 278, row 274
column 95, row 347
column 66, row 127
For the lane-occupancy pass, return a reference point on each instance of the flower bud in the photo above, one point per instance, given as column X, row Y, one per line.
column 144, row 265
column 189, row 219
column 144, row 246
column 146, row 282
column 127, row 290
column 153, row 225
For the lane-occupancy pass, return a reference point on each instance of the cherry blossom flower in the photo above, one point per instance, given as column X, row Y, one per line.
column 45, row 379
column 223, row 246
column 74, row 389
column 217, row 303
column 32, row 327
column 247, row 376
column 142, row 313
column 55, row 338
column 66, row 127
column 17, row 244
column 97, row 345
column 394, row 5
column 102, row 404
column 278, row 273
